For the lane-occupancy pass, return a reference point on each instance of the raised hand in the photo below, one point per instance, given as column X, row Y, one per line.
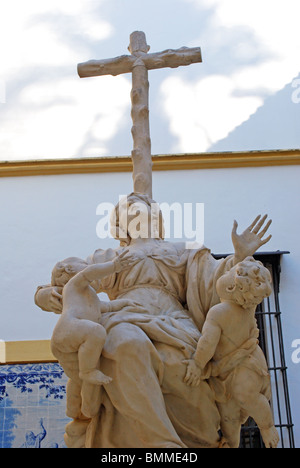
column 125, row 260
column 247, row 243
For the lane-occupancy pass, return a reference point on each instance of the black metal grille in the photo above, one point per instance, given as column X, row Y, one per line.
column 268, row 316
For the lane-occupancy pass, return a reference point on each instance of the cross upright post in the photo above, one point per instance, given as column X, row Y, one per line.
column 138, row 63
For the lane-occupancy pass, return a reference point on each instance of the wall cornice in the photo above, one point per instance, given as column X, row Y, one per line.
column 176, row 162
column 21, row 352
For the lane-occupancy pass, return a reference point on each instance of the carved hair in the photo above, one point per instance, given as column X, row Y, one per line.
column 60, row 267
column 120, row 232
column 252, row 283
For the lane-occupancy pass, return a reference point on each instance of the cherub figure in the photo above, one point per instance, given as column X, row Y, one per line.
column 79, row 329
column 229, row 355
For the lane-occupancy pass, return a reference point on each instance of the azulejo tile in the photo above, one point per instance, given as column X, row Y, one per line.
column 32, row 396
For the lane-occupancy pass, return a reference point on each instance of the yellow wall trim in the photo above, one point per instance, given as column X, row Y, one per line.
column 18, row 352
column 160, row 163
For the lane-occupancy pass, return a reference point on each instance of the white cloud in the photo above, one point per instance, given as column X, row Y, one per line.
column 205, row 111
column 28, row 39
column 53, row 117
column 55, row 121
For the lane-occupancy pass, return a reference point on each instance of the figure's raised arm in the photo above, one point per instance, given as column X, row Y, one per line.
column 94, row 272
column 101, row 270
column 246, row 244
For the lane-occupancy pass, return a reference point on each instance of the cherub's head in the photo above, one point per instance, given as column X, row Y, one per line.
column 247, row 283
column 65, row 270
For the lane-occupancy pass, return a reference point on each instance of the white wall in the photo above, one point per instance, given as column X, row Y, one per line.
column 46, row 219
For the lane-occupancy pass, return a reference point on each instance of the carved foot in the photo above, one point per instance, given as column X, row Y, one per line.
column 270, row 437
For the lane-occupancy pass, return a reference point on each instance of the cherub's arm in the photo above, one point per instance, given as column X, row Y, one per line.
column 206, row 349
column 97, row 272
column 207, row 344
column 84, row 278
column 101, row 270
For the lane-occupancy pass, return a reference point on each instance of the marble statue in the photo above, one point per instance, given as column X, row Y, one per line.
column 147, row 402
column 229, row 354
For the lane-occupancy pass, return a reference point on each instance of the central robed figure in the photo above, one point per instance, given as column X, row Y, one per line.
column 147, row 403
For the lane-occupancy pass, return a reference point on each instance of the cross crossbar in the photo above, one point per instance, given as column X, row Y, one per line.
column 138, row 63
column 124, row 64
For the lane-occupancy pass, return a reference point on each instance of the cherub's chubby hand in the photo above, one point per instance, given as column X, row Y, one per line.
column 56, row 299
column 125, row 260
column 193, row 373
column 49, row 298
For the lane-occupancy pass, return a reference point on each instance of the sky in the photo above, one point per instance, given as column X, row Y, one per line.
column 244, row 96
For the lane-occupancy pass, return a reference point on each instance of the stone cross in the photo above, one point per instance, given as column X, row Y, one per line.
column 138, row 63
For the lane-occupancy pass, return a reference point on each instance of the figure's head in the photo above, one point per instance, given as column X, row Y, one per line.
column 136, row 216
column 247, row 283
column 65, row 270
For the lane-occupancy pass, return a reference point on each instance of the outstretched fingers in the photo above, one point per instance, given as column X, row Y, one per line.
column 259, row 225
column 265, row 241
column 263, row 232
column 256, row 226
column 254, row 223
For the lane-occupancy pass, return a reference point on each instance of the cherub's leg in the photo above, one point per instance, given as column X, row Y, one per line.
column 73, row 399
column 247, row 393
column 89, row 352
column 259, row 409
column 69, row 362
column 91, row 399
column 230, row 423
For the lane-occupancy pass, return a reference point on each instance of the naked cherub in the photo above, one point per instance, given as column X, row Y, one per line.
column 78, row 328
column 228, row 353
